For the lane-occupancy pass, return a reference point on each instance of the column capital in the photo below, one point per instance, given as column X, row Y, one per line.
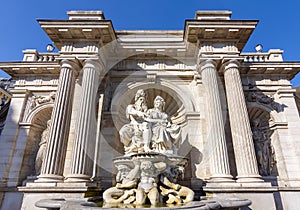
column 73, row 64
column 230, row 63
column 206, row 63
column 95, row 64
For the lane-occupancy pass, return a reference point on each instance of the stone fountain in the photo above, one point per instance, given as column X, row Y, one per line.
column 149, row 171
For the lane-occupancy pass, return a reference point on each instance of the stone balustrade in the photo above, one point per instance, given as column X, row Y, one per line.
column 44, row 57
column 33, row 55
column 271, row 55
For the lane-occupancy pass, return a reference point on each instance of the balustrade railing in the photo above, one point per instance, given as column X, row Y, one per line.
column 33, row 55
column 272, row 55
column 43, row 57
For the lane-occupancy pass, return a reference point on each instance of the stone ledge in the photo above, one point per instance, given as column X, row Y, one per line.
column 59, row 187
column 8, row 189
column 240, row 189
column 288, row 188
column 205, row 204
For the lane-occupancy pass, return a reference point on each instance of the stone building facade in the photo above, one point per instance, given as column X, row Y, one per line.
column 238, row 113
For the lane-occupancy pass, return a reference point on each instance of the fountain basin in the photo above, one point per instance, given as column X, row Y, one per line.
column 86, row 204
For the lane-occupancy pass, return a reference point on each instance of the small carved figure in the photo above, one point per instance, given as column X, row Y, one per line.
column 177, row 196
column 33, row 102
column 42, row 149
column 264, row 99
column 261, row 98
column 176, row 193
column 262, row 147
column 165, row 135
column 115, row 195
column 37, row 100
column 147, row 188
column 149, row 179
column 45, row 99
column 123, row 171
column 124, row 191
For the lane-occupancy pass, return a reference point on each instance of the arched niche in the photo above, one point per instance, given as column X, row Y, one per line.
column 119, row 87
column 38, row 123
column 35, row 117
column 175, row 107
column 264, row 138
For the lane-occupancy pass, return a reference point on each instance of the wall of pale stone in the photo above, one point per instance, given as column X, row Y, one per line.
column 279, row 110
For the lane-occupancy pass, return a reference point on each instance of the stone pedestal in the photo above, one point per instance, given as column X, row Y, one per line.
column 52, row 169
column 246, row 164
column 218, row 155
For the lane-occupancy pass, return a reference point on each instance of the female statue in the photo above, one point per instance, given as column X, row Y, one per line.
column 42, row 149
column 165, row 135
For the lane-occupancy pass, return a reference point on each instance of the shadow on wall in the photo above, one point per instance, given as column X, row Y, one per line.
column 195, row 157
column 264, row 114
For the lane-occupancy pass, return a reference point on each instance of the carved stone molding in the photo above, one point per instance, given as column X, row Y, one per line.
column 263, row 99
column 36, row 102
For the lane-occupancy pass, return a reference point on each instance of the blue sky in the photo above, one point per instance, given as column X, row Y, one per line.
column 279, row 26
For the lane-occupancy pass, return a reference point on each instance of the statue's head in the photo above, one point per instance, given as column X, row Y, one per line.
column 139, row 94
column 147, row 165
column 140, row 98
column 123, row 171
column 159, row 102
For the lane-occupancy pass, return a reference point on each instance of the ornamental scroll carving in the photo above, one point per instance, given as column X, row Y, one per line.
column 38, row 100
column 263, row 99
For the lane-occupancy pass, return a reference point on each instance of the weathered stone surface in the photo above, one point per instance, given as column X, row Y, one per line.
column 212, row 103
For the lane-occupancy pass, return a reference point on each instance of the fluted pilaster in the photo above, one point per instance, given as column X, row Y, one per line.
column 240, row 127
column 52, row 168
column 219, row 164
column 85, row 133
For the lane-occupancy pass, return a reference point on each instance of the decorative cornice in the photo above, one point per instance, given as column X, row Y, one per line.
column 219, row 31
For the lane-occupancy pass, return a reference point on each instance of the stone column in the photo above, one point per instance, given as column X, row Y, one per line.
column 245, row 158
column 219, row 164
column 86, row 125
column 53, row 165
